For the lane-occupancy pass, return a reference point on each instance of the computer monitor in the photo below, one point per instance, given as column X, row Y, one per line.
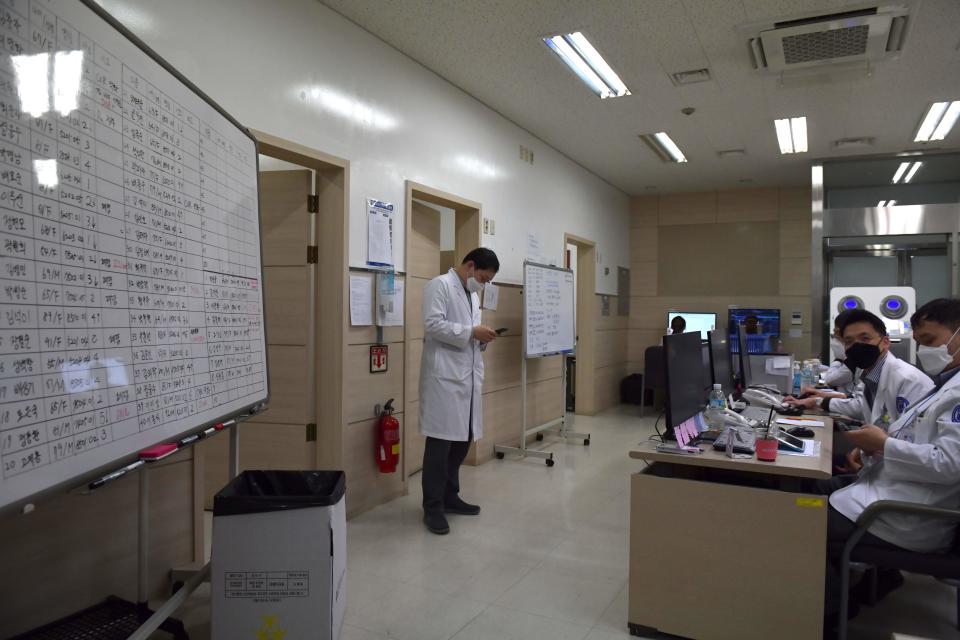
column 686, row 380
column 743, row 358
column 763, row 328
column 696, row 321
column 720, row 365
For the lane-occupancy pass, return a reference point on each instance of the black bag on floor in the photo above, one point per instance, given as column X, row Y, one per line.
column 631, row 389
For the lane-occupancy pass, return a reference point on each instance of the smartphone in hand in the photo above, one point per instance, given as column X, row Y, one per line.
column 501, row 331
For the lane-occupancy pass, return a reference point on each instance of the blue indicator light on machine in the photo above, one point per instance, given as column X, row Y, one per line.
column 893, row 304
column 850, row 304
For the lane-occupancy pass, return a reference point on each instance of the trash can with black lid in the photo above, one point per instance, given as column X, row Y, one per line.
column 279, row 556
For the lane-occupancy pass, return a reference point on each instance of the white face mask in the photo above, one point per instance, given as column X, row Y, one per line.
column 837, row 349
column 473, row 285
column 935, row 359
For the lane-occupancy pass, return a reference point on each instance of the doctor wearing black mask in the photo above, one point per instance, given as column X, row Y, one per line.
column 890, row 385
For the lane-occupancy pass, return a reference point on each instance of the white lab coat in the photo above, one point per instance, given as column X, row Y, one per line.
column 451, row 370
column 839, row 375
column 920, row 464
column 901, row 385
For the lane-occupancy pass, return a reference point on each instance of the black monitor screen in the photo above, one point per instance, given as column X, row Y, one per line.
column 720, row 365
column 686, row 378
column 743, row 357
column 763, row 328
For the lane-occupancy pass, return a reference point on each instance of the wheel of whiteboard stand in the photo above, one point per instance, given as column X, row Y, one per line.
column 549, row 462
column 586, row 442
column 499, row 455
column 539, row 437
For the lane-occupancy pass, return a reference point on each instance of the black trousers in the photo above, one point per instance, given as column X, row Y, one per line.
column 839, row 530
column 441, row 471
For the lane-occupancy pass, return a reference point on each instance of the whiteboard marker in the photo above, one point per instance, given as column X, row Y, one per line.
column 99, row 482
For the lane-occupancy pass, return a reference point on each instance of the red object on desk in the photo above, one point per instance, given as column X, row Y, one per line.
column 158, row 451
column 767, row 449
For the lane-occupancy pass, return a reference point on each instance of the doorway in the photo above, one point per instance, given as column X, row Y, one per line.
column 441, row 229
column 582, row 254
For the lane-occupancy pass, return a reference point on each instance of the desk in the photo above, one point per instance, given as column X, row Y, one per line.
column 686, row 512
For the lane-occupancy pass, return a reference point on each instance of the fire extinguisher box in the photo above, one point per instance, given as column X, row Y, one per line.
column 279, row 556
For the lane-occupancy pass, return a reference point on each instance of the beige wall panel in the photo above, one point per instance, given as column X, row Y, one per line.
column 644, row 211
column 795, row 203
column 423, row 254
column 795, row 238
column 611, row 322
column 795, row 277
column 611, row 348
column 288, row 386
column 501, row 363
column 411, row 374
column 647, row 313
column 448, row 260
column 501, row 422
column 736, row 258
column 687, row 209
column 544, row 401
column 643, row 278
column 364, row 390
column 286, row 299
column 639, row 340
column 544, row 369
column 284, row 221
column 607, row 385
column 413, row 440
column 414, row 307
column 643, row 244
column 368, row 335
column 509, row 311
column 73, row 551
column 743, row 205
column 366, row 486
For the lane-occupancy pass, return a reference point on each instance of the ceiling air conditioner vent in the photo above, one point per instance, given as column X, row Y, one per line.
column 857, row 38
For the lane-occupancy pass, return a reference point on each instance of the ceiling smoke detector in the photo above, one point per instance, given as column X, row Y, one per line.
column 824, row 42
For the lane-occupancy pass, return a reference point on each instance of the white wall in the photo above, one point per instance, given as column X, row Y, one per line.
column 298, row 70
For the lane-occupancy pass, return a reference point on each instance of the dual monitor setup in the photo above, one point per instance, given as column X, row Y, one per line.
column 702, row 356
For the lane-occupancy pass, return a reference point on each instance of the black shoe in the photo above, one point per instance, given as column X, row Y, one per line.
column 436, row 523
column 887, row 580
column 455, row 505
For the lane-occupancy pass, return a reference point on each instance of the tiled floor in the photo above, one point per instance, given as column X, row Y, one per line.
column 547, row 558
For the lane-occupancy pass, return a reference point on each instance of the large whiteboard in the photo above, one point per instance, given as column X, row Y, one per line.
column 548, row 310
column 131, row 307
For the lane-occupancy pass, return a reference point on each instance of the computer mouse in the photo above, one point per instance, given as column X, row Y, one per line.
column 801, row 432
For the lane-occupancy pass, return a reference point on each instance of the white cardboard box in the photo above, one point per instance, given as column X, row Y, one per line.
column 279, row 574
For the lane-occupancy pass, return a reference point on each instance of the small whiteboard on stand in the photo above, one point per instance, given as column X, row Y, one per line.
column 548, row 310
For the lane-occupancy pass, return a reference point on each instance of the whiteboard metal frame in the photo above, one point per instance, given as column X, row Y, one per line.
column 557, row 424
column 21, row 505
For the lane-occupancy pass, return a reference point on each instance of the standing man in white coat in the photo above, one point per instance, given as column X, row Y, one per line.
column 917, row 459
column 451, row 380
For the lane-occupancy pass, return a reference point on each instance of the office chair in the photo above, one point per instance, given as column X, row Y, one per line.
column 653, row 374
column 942, row 566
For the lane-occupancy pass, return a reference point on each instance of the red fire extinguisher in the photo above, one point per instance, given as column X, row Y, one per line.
column 388, row 439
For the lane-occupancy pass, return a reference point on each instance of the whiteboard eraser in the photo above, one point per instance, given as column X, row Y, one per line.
column 158, row 451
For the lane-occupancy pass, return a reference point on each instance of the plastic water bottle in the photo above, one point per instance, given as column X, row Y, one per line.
column 797, row 379
column 715, row 406
column 807, row 376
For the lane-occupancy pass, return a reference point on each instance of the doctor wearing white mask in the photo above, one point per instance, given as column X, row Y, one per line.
column 916, row 459
column 838, row 375
column 451, row 380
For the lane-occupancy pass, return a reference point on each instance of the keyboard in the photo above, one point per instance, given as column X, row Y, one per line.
column 745, row 442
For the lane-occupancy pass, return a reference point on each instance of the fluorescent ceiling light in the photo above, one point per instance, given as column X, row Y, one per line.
column 900, row 171
column 664, row 146
column 886, row 203
column 890, row 203
column 584, row 60
column 913, row 170
column 791, row 134
column 940, row 118
column 882, row 203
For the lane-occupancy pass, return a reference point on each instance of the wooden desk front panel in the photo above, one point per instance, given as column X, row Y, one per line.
column 722, row 562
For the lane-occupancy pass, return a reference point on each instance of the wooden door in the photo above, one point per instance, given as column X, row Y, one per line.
column 423, row 264
column 276, row 438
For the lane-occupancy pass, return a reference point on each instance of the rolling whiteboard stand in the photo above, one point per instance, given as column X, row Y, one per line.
column 548, row 319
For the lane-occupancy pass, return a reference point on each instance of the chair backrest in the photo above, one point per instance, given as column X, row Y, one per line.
column 653, row 368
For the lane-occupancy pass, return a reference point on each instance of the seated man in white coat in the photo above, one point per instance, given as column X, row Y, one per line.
column 837, row 375
column 914, row 459
column 890, row 385
column 451, row 380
